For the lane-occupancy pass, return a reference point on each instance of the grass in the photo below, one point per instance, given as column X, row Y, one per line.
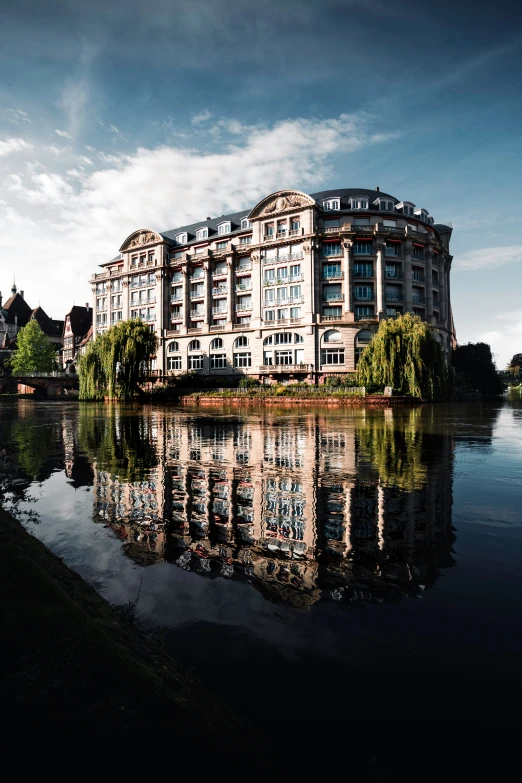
column 71, row 660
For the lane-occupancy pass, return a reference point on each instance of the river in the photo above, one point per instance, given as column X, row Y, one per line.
column 297, row 561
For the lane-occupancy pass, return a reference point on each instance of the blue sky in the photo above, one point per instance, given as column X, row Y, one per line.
column 116, row 116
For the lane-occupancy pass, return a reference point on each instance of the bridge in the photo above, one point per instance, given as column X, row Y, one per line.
column 52, row 384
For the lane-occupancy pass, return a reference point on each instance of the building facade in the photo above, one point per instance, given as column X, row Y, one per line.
column 291, row 290
column 77, row 327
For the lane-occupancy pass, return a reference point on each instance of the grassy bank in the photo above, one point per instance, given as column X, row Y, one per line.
column 74, row 662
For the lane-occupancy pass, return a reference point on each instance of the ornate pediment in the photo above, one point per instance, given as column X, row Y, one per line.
column 283, row 201
column 141, row 238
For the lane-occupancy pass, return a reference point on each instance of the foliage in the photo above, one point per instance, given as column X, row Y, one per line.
column 117, row 362
column 248, row 383
column 405, row 355
column 516, row 361
column 35, row 445
column 474, row 362
column 34, row 353
column 332, row 381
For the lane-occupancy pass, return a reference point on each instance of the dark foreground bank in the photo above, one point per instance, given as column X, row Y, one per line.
column 73, row 662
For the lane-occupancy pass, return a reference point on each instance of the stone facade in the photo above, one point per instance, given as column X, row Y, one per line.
column 290, row 290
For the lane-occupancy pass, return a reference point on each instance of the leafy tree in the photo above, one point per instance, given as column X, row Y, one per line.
column 117, row 362
column 405, row 355
column 34, row 353
column 474, row 362
column 515, row 365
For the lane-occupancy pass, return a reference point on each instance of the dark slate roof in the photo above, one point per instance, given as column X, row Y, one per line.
column 81, row 320
column 16, row 305
column 235, row 218
column 442, row 227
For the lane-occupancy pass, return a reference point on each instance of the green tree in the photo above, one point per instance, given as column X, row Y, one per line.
column 474, row 362
column 405, row 355
column 34, row 353
column 117, row 362
column 515, row 365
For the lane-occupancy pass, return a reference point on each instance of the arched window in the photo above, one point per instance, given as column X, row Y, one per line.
column 173, row 347
column 194, row 346
column 298, row 338
column 363, row 338
column 332, row 336
column 216, row 344
column 241, row 342
column 268, row 340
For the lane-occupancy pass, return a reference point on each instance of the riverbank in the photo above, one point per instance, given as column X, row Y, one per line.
column 353, row 401
column 73, row 662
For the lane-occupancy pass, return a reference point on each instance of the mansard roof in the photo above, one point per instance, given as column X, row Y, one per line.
column 16, row 305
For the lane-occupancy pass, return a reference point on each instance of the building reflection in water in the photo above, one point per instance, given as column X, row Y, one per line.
column 338, row 506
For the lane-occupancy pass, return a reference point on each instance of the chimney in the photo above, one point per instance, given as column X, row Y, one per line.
column 209, row 218
column 87, row 306
column 22, row 294
column 377, row 188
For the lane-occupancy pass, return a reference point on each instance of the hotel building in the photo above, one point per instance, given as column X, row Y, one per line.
column 292, row 289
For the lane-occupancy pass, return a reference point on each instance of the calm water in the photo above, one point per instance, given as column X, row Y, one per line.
column 307, row 565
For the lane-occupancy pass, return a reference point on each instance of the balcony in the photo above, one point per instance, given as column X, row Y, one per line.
column 219, row 311
column 197, row 314
column 363, row 229
column 332, row 297
column 246, row 267
column 331, row 229
column 241, row 326
column 194, row 330
column 243, row 308
column 294, row 232
column 197, row 294
column 284, row 258
column 176, row 298
column 101, row 309
column 176, row 318
column 282, row 368
column 200, row 276
column 268, row 237
column 390, row 230
column 240, row 288
column 296, row 278
column 281, row 234
column 370, row 317
column 418, row 300
column 294, row 300
column 418, row 278
column 363, row 273
column 219, row 291
column 396, row 275
column 217, row 273
column 393, row 297
column 332, row 276
column 360, row 297
column 323, row 318
column 216, row 327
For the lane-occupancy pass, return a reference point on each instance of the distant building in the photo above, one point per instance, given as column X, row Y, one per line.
column 292, row 289
column 16, row 313
column 76, row 329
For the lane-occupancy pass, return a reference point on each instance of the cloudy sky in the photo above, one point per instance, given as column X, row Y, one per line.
column 123, row 115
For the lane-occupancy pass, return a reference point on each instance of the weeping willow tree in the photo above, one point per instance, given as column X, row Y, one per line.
column 117, row 362
column 405, row 355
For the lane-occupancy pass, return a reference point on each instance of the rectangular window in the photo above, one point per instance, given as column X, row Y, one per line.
column 269, row 315
column 389, row 223
column 284, row 357
column 295, row 312
column 294, row 224
column 418, row 253
column 363, row 312
column 295, row 271
column 243, row 359
column 177, row 277
column 282, row 294
column 362, row 270
column 393, row 312
column 363, row 292
column 270, row 275
column 361, row 221
column 195, row 362
column 282, row 315
column 134, row 261
column 285, row 338
column 281, row 226
column 393, row 249
column 174, row 363
column 268, row 357
column 245, row 240
column 269, row 295
column 362, row 247
column 332, row 356
column 332, row 312
column 331, row 270
column 295, row 291
column 269, row 229
column 392, row 270
column 176, row 312
column 282, row 273
column 332, row 292
column 221, row 245
column 218, row 361
column 331, row 249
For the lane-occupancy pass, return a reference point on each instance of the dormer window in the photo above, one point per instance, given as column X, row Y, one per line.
column 245, row 223
column 359, row 203
column 384, row 205
column 407, row 207
column 422, row 214
column 181, row 239
column 202, row 233
column 331, row 204
column 224, row 228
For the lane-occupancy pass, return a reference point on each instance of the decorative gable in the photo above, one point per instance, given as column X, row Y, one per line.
column 282, row 201
column 141, row 238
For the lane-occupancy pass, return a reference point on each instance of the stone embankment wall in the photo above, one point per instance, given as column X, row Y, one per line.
column 352, row 402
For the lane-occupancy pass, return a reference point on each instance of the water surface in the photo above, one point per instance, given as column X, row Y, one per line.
column 367, row 562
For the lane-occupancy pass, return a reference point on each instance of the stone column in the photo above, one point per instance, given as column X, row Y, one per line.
column 231, row 299
column 348, row 277
column 442, row 288
column 379, row 280
column 408, row 247
column 311, row 305
column 185, row 273
column 257, row 291
column 207, row 302
column 94, row 330
column 159, row 309
column 448, row 291
column 428, row 282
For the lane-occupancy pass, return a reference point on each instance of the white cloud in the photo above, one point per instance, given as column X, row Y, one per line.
column 17, row 116
column 486, row 257
column 13, row 145
column 113, row 130
column 80, row 221
column 63, row 134
column 197, row 119
column 504, row 342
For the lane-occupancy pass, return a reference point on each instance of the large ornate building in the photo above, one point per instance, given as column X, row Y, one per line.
column 291, row 290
